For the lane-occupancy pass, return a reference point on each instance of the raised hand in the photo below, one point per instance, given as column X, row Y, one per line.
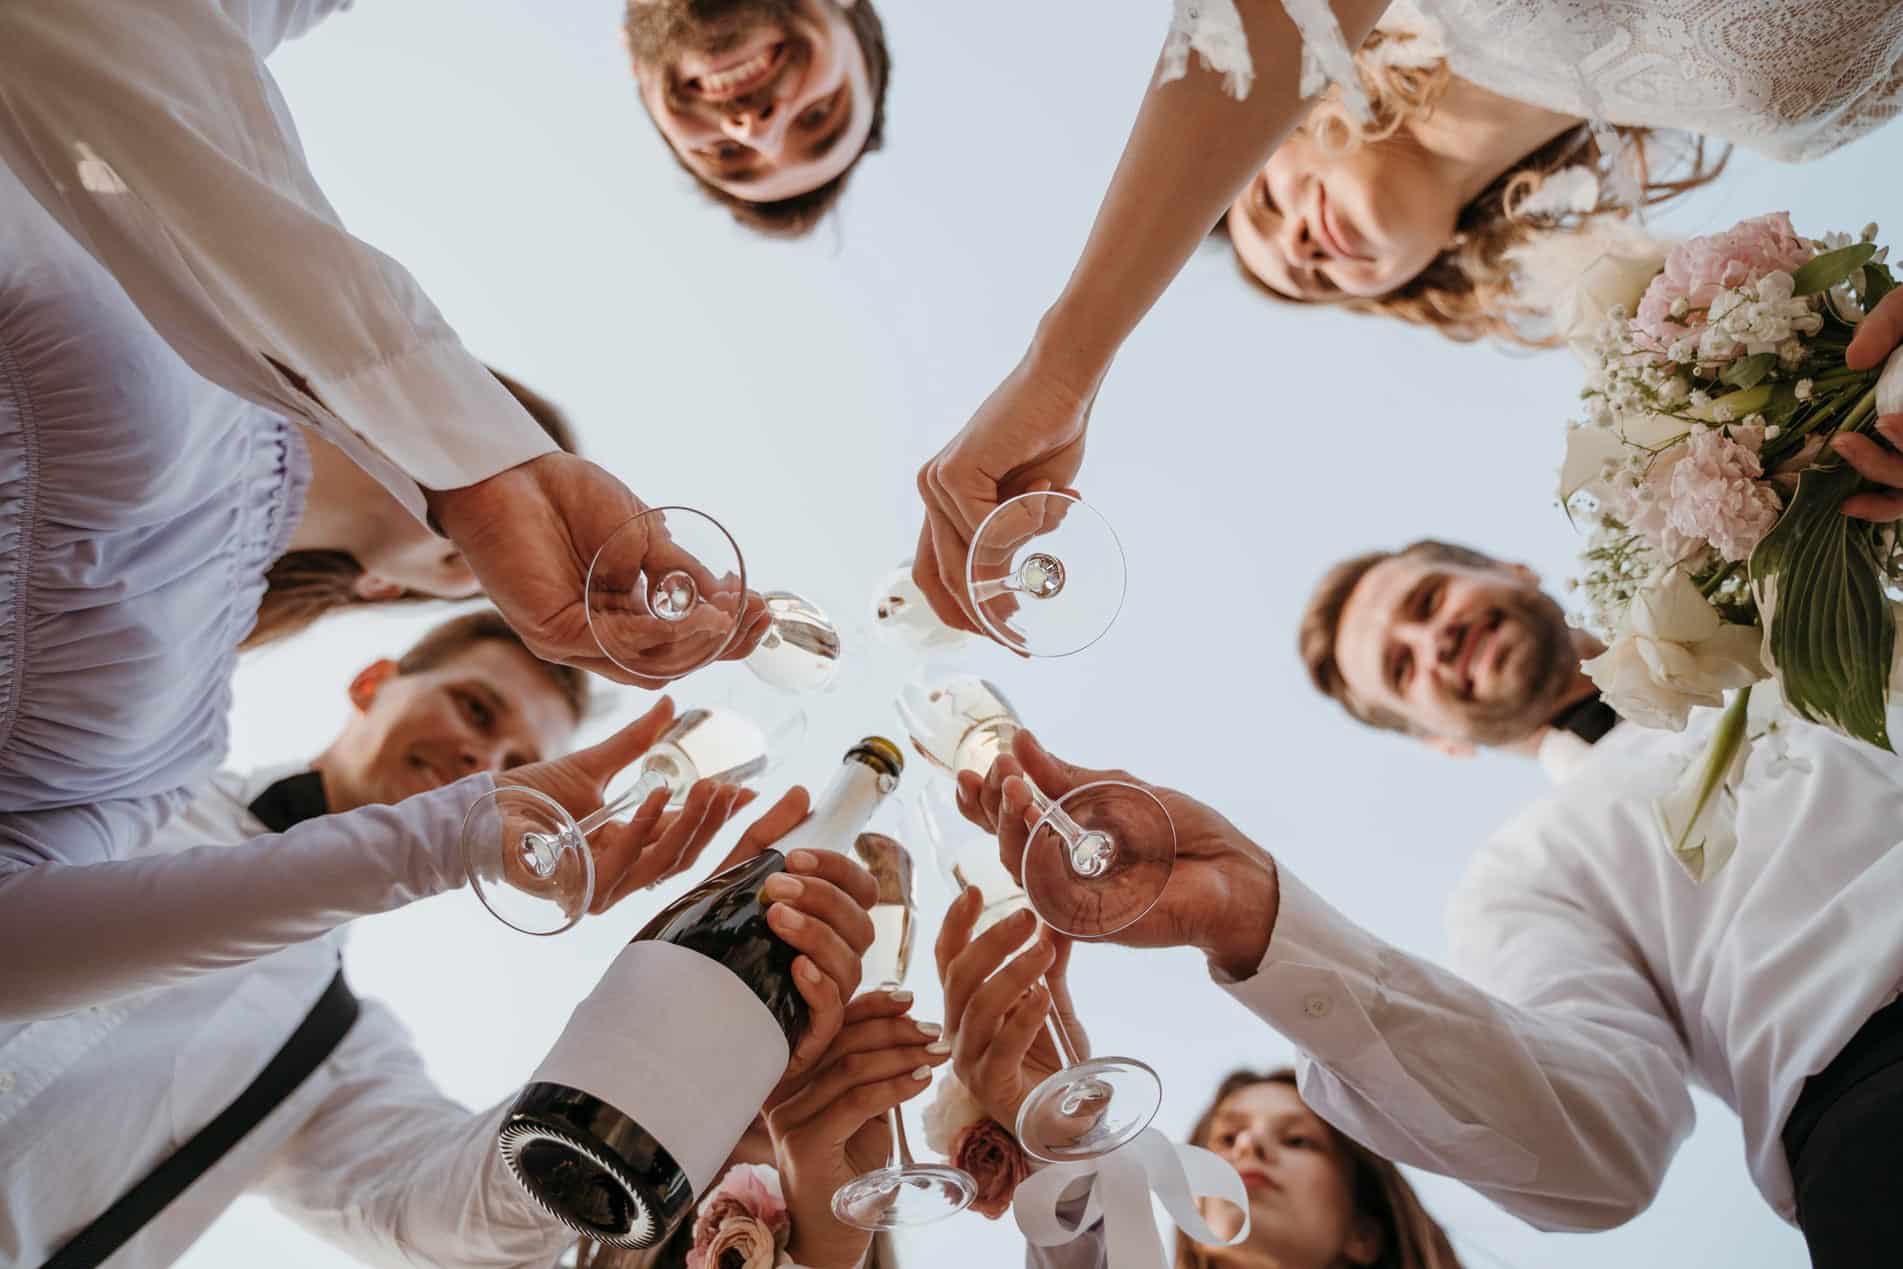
column 819, row 907
column 1221, row 897
column 832, row 1127
column 1028, row 434
column 995, row 1004
column 1878, row 335
column 530, row 532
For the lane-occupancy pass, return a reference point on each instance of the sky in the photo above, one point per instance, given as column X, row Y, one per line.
column 497, row 148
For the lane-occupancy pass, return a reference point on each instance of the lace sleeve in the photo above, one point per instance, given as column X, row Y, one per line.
column 1213, row 30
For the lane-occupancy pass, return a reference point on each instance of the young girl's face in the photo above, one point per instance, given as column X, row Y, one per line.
column 1319, row 226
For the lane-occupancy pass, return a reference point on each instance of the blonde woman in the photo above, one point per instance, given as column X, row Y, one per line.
column 1790, row 79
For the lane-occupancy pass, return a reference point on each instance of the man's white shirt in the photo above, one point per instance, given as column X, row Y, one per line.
column 156, row 136
column 1593, row 978
column 367, row 1153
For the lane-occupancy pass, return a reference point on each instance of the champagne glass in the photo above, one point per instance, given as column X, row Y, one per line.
column 800, row 651
column 666, row 592
column 899, row 613
column 1046, row 574
column 904, row 1192
column 527, row 858
column 1096, row 861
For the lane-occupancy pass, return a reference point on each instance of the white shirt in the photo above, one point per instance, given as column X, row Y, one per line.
column 1595, row 979
column 367, row 1153
column 155, row 135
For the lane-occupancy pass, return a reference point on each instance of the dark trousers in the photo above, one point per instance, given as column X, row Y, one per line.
column 1844, row 1140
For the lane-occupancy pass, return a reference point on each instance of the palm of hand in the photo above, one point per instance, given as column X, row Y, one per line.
column 1213, row 861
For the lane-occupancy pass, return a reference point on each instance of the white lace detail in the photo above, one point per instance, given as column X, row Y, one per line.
column 1791, row 79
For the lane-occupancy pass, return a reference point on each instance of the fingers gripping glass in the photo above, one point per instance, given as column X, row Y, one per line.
column 904, row 1192
column 1096, row 861
column 1046, row 574
column 527, row 858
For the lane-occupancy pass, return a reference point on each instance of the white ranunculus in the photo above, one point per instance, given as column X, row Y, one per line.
column 1616, row 279
column 1676, row 653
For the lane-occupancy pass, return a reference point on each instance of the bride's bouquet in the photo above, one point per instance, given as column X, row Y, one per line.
column 1718, row 553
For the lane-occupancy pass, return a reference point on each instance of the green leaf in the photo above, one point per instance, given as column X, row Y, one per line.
column 1825, row 271
column 1748, row 372
column 1816, row 577
column 1877, row 283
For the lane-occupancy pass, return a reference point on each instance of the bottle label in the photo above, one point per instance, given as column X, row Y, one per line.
column 677, row 1043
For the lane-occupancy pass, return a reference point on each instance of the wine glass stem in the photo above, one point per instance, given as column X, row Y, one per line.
column 901, row 1149
column 637, row 793
column 986, row 589
column 1087, row 852
column 1054, row 1025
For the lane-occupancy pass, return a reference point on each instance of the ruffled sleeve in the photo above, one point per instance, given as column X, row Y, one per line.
column 1212, row 29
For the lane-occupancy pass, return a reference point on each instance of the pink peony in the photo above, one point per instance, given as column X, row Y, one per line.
column 1697, row 270
column 1717, row 492
column 740, row 1242
column 995, row 1161
column 1646, row 509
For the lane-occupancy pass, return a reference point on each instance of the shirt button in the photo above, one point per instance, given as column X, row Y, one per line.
column 1316, row 1005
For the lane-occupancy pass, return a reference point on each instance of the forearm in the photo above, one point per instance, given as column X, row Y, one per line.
column 1193, row 149
column 1564, row 1102
column 74, row 935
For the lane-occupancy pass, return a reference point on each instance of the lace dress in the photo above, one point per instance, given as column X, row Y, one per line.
column 1790, row 79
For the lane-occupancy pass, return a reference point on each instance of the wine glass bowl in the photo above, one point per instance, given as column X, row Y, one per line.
column 666, row 592
column 527, row 861
column 1098, row 858
column 1046, row 574
column 904, row 1195
column 800, row 651
column 962, row 723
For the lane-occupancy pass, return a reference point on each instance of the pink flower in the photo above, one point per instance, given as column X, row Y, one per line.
column 1697, row 270
column 750, row 1196
column 1646, row 508
column 740, row 1242
column 1718, row 493
column 995, row 1161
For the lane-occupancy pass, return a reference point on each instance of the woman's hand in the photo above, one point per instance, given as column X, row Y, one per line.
column 832, row 1128
column 1878, row 335
column 1028, row 435
column 995, row 1005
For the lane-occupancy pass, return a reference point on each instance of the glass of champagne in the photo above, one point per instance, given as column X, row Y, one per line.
column 904, row 1192
column 1046, row 574
column 800, row 651
column 530, row 865
column 1096, row 861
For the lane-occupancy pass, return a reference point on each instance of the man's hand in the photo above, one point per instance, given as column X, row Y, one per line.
column 1221, row 897
column 819, row 907
column 1878, row 335
column 1028, row 434
column 995, row 1007
column 832, row 1128
column 530, row 533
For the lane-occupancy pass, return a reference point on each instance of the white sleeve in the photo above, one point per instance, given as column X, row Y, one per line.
column 154, row 134
column 79, row 934
column 1212, row 29
column 390, row 1170
column 1560, row 1093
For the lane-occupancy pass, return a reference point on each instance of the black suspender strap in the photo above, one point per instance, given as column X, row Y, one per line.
column 315, row 1039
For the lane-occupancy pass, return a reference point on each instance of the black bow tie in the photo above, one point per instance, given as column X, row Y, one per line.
column 292, row 800
column 1589, row 719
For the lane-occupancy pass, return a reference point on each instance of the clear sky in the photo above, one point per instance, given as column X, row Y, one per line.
column 498, row 150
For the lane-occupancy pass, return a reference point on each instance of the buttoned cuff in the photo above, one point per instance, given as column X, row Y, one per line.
column 436, row 414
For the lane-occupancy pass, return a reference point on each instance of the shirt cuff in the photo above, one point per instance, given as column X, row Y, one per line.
column 1317, row 979
column 439, row 415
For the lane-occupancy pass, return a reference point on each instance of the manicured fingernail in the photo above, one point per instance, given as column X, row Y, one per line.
column 923, row 1073
column 802, row 861
column 788, row 917
column 940, row 1047
column 900, row 994
column 929, row 1029
column 782, row 887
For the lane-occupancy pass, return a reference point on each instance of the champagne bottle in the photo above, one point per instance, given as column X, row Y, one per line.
column 665, row 1064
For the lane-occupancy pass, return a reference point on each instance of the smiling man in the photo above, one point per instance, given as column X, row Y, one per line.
column 768, row 104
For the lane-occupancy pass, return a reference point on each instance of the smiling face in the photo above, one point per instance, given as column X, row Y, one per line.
column 765, row 100
column 1458, row 651
column 1320, row 226
column 489, row 707
column 1300, row 1181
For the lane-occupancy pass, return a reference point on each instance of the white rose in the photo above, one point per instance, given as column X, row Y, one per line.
column 1616, row 279
column 953, row 1110
column 1676, row 653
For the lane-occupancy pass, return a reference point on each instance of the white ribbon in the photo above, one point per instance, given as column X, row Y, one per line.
column 1122, row 1182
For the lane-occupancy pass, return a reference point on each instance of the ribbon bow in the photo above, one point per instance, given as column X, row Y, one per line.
column 1122, row 1182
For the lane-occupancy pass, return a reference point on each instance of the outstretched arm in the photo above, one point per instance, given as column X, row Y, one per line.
column 1193, row 149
